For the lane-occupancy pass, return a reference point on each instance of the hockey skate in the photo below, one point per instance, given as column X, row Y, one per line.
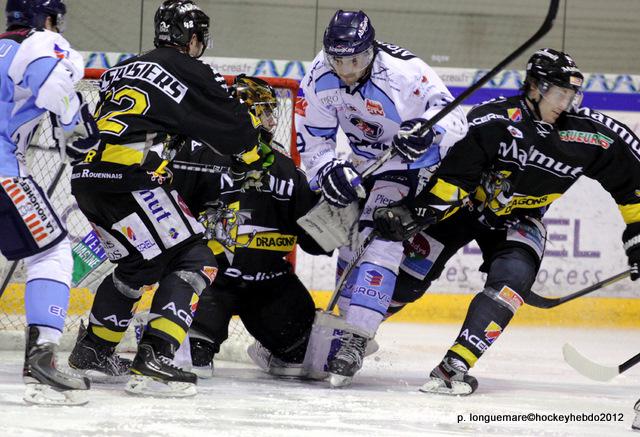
column 273, row 365
column 153, row 374
column 45, row 384
column 450, row 377
column 202, row 353
column 99, row 362
column 635, row 425
column 348, row 359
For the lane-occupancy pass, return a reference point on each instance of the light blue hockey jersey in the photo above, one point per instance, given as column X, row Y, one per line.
column 38, row 70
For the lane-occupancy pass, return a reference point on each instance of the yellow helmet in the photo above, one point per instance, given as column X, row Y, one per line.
column 260, row 97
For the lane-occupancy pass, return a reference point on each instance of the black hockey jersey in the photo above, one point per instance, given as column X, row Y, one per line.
column 263, row 229
column 165, row 92
column 512, row 164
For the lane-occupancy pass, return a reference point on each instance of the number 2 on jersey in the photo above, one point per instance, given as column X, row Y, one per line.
column 129, row 101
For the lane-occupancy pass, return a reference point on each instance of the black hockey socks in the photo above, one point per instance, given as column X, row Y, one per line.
column 485, row 321
column 111, row 313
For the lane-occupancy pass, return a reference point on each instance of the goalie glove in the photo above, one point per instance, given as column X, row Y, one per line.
column 78, row 137
column 340, row 183
column 409, row 143
column 631, row 241
column 252, row 166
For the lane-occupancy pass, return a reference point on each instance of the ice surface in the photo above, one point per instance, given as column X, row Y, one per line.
column 522, row 373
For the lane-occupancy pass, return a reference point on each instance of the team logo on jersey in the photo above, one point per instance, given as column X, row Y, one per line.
column 373, row 278
column 515, row 132
column 492, row 331
column 592, row 138
column 374, row 107
column 301, row 106
column 515, row 114
column 60, row 52
column 128, row 232
column 372, row 131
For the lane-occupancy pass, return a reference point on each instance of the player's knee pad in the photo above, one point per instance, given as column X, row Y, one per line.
column 55, row 263
column 126, row 290
column 512, row 273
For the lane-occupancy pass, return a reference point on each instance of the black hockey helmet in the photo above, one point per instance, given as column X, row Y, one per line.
column 34, row 13
column 176, row 21
column 555, row 68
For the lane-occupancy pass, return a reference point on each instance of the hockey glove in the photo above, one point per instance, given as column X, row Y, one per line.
column 79, row 137
column 340, row 183
column 409, row 143
column 396, row 222
column 631, row 240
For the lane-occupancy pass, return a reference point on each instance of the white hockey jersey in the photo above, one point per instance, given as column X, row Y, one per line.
column 38, row 70
column 400, row 87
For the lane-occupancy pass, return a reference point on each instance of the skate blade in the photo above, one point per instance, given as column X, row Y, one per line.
column 140, row 385
column 203, row 372
column 339, row 381
column 102, row 378
column 438, row 386
column 42, row 394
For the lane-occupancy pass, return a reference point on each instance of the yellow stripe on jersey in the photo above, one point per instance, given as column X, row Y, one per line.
column 119, row 154
column 448, row 192
column 630, row 213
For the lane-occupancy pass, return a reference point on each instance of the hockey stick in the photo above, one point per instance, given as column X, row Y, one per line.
column 313, row 221
column 549, row 302
column 593, row 370
column 349, row 267
column 50, row 190
column 199, row 167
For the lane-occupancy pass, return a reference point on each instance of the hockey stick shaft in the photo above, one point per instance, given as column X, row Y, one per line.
column 50, row 190
column 348, row 269
column 544, row 28
column 549, row 302
column 199, row 167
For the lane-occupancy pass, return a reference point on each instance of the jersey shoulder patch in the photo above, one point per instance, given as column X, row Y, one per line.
column 394, row 50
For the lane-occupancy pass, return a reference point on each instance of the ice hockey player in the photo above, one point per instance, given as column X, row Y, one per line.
column 38, row 70
column 250, row 231
column 521, row 154
column 147, row 103
column 380, row 95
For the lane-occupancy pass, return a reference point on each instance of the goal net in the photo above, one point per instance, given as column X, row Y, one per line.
column 46, row 164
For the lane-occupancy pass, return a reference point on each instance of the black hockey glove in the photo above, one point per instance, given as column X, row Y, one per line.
column 409, row 143
column 631, row 240
column 396, row 222
column 340, row 183
column 76, row 140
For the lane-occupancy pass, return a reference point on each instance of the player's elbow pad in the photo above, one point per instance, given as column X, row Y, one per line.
column 57, row 95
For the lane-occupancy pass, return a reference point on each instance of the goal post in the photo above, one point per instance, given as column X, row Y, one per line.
column 44, row 162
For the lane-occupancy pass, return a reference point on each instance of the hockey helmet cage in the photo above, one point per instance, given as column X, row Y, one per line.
column 176, row 21
column 348, row 34
column 260, row 97
column 34, row 13
column 555, row 68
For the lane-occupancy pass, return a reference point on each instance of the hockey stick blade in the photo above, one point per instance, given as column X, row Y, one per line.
column 595, row 371
column 538, row 301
